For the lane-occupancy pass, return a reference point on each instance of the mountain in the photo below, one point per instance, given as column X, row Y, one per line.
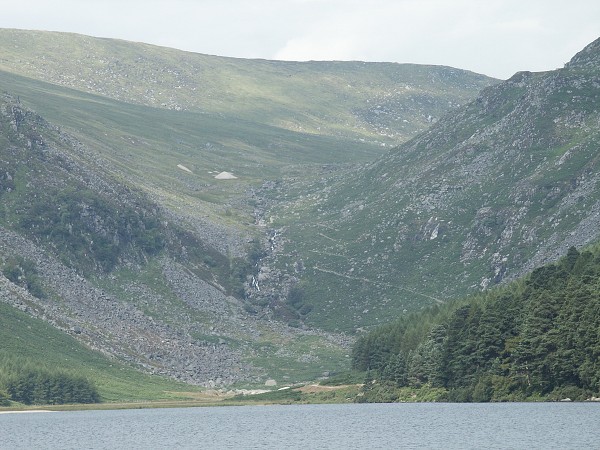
column 376, row 101
column 248, row 117
column 113, row 225
column 495, row 188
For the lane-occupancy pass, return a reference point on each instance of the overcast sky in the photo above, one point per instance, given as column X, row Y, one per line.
column 494, row 37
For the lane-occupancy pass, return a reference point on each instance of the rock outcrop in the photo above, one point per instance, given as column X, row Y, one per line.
column 502, row 185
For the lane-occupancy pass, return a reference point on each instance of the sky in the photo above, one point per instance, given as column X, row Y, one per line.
column 493, row 37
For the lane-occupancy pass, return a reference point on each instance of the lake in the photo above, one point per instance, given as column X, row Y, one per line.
column 351, row 426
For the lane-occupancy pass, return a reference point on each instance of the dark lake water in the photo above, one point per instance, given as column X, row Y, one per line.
column 370, row 426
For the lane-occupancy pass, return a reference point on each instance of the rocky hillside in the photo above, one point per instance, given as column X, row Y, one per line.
column 114, row 226
column 100, row 260
column 506, row 183
column 166, row 122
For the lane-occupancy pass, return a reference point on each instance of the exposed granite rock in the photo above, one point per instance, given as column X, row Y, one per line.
column 117, row 328
column 501, row 185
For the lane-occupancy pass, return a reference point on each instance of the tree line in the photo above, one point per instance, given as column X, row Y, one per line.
column 537, row 338
column 25, row 382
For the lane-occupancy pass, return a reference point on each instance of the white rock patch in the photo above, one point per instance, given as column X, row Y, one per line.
column 225, row 176
column 185, row 169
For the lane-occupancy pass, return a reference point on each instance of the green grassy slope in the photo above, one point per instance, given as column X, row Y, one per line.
column 143, row 146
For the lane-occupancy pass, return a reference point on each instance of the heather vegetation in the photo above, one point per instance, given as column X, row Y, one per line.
column 22, row 272
column 88, row 229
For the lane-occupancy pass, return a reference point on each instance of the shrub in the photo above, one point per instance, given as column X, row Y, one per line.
column 4, row 400
column 23, row 272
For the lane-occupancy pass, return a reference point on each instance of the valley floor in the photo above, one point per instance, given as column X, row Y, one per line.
column 307, row 394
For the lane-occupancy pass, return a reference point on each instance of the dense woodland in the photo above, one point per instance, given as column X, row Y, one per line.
column 24, row 381
column 537, row 338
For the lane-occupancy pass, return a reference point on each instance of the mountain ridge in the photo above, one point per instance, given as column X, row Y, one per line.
column 590, row 55
column 495, row 188
column 356, row 99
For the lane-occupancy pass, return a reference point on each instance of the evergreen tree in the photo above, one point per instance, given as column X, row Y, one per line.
column 537, row 336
